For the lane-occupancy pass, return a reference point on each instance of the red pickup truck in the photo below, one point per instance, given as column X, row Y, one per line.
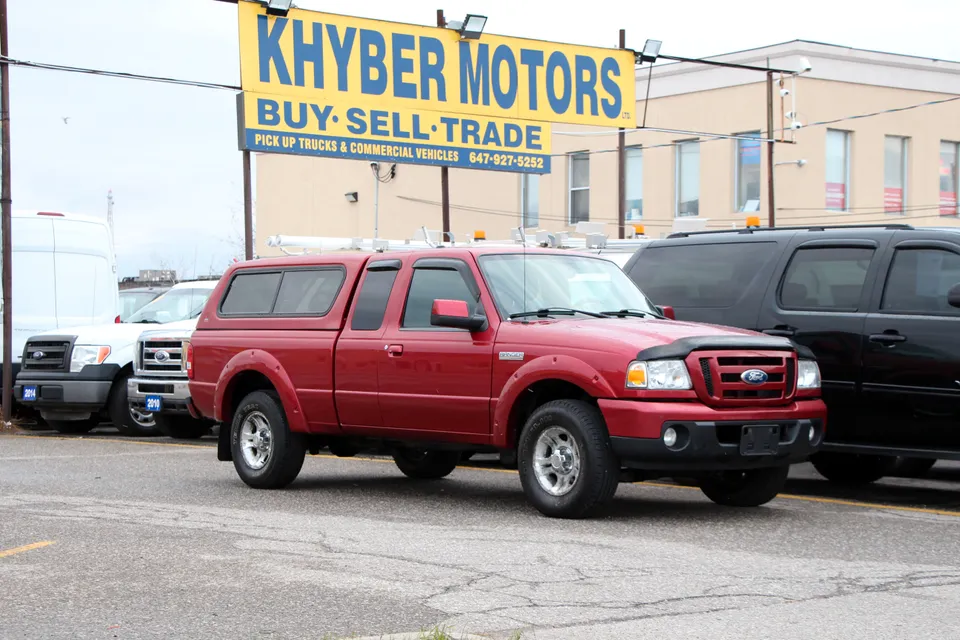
column 554, row 356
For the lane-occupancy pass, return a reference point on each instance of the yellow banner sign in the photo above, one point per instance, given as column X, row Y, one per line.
column 371, row 65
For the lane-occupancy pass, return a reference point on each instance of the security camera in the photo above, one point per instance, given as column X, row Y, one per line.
column 801, row 162
column 796, row 125
column 805, row 65
column 784, row 93
column 791, row 115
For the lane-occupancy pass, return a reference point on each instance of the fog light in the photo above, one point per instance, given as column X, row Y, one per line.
column 670, row 436
column 812, row 433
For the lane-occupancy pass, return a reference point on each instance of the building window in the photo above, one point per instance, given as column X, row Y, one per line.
column 894, row 174
column 530, row 199
column 579, row 205
column 634, row 183
column 748, row 173
column 949, row 178
column 838, row 170
column 688, row 179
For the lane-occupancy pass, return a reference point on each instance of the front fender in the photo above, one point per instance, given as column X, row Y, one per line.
column 566, row 368
column 267, row 365
column 121, row 355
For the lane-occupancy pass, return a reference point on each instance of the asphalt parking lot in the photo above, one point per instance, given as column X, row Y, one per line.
column 102, row 537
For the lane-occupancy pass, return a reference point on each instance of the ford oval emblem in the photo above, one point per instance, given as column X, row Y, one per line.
column 754, row 376
column 38, row 355
column 163, row 356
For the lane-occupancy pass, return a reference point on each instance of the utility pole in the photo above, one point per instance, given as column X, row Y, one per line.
column 110, row 212
column 771, row 212
column 376, row 199
column 444, row 171
column 247, row 207
column 6, row 213
column 622, row 167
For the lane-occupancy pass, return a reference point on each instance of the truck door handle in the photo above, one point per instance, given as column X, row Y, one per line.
column 888, row 338
column 781, row 330
column 394, row 350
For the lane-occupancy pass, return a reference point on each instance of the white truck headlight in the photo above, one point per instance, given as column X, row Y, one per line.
column 662, row 375
column 87, row 354
column 808, row 375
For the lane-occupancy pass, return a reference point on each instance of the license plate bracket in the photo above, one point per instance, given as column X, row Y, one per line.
column 760, row 440
column 30, row 393
column 154, row 404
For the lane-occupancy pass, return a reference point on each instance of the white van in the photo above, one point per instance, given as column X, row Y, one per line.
column 64, row 275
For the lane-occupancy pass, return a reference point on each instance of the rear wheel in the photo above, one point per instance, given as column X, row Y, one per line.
column 426, row 465
column 567, row 467
column 266, row 454
column 852, row 468
column 181, row 427
column 128, row 420
column 750, row 488
column 73, row 427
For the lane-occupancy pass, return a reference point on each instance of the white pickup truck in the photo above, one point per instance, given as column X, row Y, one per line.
column 77, row 378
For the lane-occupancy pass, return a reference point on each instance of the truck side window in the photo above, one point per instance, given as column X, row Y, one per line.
column 251, row 294
column 308, row 292
column 919, row 280
column 703, row 275
column 825, row 278
column 372, row 300
column 428, row 285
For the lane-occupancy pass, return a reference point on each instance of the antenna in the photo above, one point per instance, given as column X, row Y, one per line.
column 523, row 293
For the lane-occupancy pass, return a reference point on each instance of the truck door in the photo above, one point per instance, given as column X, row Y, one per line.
column 820, row 301
column 911, row 354
column 435, row 379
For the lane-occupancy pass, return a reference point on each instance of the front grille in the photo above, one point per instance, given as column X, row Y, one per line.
column 45, row 355
column 721, row 374
column 160, row 357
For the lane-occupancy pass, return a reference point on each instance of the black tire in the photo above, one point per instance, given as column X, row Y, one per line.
column 852, row 468
column 599, row 473
column 426, row 465
column 750, row 488
column 122, row 414
column 181, row 427
column 74, row 427
column 287, row 450
column 912, row 467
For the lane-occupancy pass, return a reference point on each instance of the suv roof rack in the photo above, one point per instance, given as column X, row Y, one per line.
column 817, row 227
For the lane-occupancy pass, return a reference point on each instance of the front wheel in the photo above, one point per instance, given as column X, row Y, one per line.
column 750, row 488
column 567, row 467
column 181, row 427
column 129, row 421
column 266, row 454
column 426, row 465
column 852, row 468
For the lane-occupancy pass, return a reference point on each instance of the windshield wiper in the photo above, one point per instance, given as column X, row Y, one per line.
column 555, row 311
column 632, row 313
column 148, row 321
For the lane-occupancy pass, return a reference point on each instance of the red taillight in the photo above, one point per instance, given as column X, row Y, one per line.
column 189, row 360
column 117, row 320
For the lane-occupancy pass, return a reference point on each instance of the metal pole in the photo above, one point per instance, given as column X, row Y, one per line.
column 247, row 207
column 444, row 171
column 376, row 200
column 6, row 213
column 622, row 167
column 771, row 212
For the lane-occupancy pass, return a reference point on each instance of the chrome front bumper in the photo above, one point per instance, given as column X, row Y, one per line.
column 174, row 392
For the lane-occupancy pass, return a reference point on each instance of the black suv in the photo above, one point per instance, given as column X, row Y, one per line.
column 878, row 305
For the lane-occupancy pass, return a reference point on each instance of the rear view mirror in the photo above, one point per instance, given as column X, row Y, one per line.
column 455, row 314
column 667, row 312
column 953, row 296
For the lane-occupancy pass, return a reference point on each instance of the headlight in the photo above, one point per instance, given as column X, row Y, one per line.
column 808, row 375
column 85, row 354
column 670, row 375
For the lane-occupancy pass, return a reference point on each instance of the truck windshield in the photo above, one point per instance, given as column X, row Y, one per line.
column 173, row 306
column 523, row 283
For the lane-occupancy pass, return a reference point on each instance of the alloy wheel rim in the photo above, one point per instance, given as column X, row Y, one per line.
column 556, row 461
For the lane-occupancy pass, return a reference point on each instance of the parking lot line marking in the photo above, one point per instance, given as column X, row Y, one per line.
column 26, row 547
column 119, row 440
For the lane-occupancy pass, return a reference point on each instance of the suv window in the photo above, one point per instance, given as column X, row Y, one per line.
column 372, row 300
column 701, row 275
column 308, row 291
column 919, row 280
column 825, row 278
column 251, row 293
column 428, row 285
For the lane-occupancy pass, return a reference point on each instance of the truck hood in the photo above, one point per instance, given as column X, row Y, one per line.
column 611, row 335
column 116, row 335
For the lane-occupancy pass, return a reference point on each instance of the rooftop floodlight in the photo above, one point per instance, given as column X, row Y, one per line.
column 651, row 51
column 278, row 7
column 471, row 27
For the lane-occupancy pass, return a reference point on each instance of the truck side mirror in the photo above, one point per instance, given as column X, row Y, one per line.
column 455, row 314
column 953, row 296
column 667, row 312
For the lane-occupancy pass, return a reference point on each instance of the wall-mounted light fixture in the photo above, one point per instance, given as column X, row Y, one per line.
column 351, row 196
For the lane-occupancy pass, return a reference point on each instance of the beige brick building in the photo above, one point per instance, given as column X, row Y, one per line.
column 900, row 166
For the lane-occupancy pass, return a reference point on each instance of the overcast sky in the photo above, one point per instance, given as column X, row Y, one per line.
column 170, row 154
